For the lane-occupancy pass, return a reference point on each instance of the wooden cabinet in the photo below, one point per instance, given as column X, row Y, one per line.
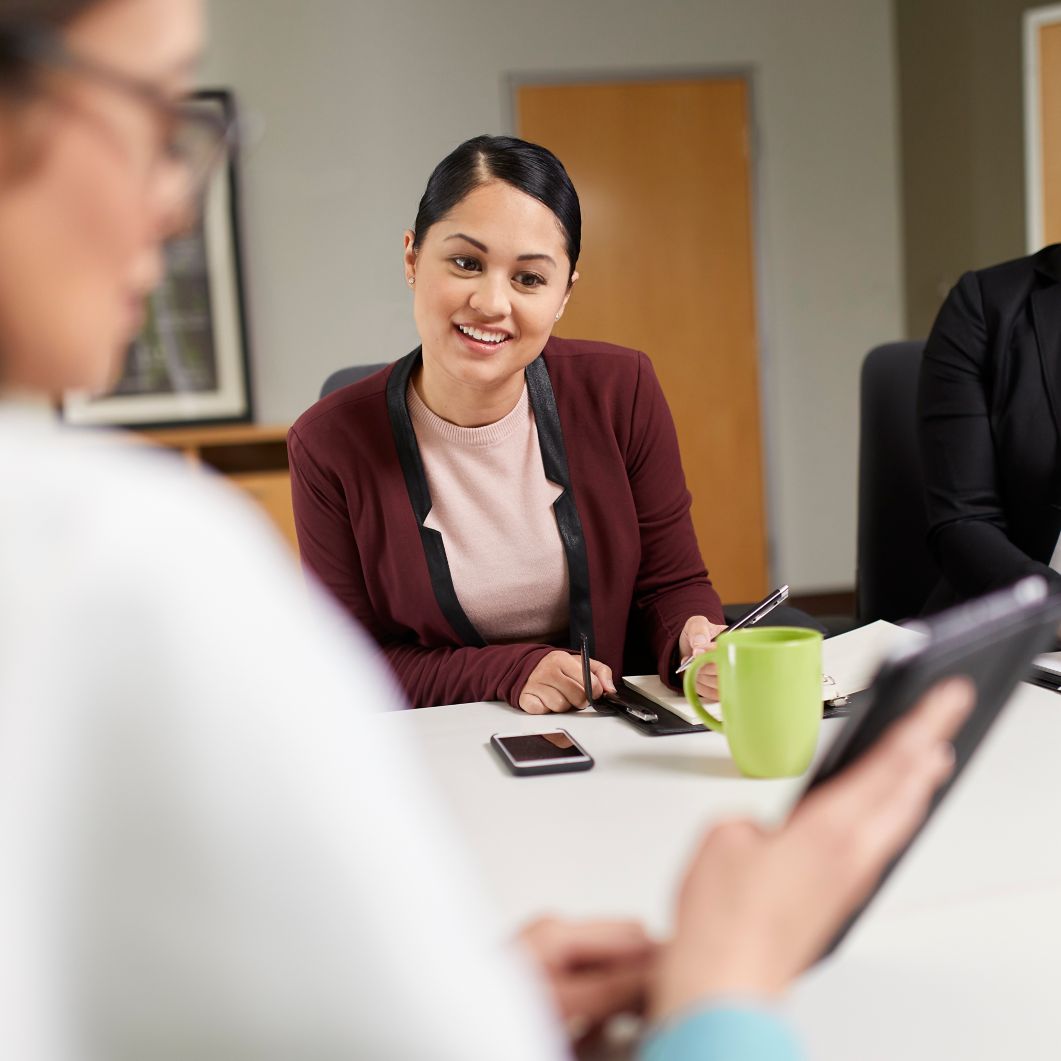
column 251, row 457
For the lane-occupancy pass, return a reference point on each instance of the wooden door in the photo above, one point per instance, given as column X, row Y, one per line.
column 662, row 171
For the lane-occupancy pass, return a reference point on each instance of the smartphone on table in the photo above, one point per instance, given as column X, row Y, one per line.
column 541, row 753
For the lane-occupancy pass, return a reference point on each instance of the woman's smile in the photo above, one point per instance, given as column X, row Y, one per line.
column 482, row 339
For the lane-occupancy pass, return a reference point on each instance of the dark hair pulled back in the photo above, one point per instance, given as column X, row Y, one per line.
column 529, row 168
column 23, row 24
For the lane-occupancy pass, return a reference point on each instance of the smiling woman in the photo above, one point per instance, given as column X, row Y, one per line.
column 499, row 493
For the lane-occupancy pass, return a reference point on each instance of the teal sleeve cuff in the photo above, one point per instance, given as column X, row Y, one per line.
column 723, row 1033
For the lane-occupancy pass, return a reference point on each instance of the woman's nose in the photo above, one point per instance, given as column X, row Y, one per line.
column 490, row 297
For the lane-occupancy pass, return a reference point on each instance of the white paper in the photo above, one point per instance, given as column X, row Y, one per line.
column 655, row 690
column 1049, row 661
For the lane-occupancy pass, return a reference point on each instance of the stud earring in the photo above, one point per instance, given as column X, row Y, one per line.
column 559, row 315
column 412, row 280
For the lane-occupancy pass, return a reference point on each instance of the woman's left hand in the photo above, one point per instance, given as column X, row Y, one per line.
column 595, row 969
column 698, row 635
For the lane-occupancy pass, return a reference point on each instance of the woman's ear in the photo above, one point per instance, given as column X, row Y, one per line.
column 567, row 296
column 409, row 257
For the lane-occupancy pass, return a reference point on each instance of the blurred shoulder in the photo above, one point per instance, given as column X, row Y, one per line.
column 104, row 498
column 126, row 543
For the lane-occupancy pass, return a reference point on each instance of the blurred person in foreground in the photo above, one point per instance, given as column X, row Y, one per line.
column 211, row 847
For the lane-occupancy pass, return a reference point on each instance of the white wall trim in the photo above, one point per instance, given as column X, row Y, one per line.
column 1034, row 20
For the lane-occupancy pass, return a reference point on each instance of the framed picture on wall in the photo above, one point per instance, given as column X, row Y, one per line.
column 190, row 363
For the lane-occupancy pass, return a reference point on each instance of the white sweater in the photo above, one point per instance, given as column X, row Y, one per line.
column 212, row 848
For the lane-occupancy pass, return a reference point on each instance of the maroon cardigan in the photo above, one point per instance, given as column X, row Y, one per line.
column 607, row 437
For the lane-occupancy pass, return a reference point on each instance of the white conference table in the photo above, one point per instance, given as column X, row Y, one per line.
column 958, row 957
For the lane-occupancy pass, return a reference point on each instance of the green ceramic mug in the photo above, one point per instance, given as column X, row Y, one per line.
column 770, row 687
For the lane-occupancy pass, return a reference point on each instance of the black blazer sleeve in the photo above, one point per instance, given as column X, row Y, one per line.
column 968, row 533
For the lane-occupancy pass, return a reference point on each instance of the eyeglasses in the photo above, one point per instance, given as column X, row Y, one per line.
column 195, row 137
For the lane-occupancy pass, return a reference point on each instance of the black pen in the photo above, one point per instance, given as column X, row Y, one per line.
column 609, row 702
column 762, row 609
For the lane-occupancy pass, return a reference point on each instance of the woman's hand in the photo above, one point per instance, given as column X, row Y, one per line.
column 698, row 635
column 757, row 906
column 595, row 969
column 556, row 684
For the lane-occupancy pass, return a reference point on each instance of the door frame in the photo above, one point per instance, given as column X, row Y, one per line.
column 516, row 80
column 1036, row 19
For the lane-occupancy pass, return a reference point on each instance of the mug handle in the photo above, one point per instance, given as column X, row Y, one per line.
column 689, row 687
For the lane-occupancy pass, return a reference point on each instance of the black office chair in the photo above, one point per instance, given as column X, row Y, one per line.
column 344, row 376
column 895, row 571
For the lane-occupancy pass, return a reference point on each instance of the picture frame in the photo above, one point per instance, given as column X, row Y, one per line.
column 190, row 364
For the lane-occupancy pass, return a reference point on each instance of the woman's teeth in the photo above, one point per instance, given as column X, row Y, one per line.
column 481, row 336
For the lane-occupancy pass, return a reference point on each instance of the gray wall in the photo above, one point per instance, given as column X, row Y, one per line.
column 961, row 92
column 359, row 100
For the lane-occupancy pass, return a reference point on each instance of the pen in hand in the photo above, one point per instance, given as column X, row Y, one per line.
column 762, row 609
column 610, row 701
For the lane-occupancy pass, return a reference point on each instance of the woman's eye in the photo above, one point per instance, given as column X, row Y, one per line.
column 172, row 138
column 529, row 279
column 172, row 148
column 168, row 141
column 468, row 265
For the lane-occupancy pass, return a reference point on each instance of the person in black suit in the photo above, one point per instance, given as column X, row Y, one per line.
column 989, row 411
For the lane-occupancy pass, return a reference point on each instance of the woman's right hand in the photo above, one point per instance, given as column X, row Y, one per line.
column 556, row 684
column 758, row 906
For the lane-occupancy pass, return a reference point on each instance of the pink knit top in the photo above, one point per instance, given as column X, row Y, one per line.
column 492, row 504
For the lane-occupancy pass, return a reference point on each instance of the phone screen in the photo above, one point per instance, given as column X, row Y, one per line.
column 532, row 747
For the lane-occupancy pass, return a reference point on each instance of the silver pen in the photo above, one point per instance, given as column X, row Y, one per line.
column 763, row 608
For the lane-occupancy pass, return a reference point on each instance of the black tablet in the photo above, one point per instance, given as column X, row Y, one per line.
column 992, row 641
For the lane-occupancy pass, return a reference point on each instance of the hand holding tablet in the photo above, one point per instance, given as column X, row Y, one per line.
column 758, row 906
column 765, row 904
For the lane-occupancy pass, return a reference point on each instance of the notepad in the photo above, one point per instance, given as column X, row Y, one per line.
column 650, row 685
column 1050, row 661
column 849, row 663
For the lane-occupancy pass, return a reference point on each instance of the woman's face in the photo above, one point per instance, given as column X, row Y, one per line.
column 86, row 197
column 491, row 279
